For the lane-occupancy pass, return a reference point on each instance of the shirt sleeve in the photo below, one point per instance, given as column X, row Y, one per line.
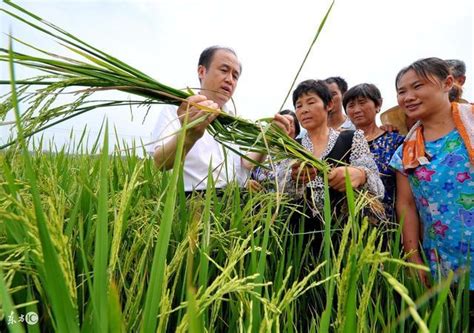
column 400, row 139
column 396, row 161
column 166, row 126
column 361, row 157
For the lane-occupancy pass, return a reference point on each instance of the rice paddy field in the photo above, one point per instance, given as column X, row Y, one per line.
column 96, row 242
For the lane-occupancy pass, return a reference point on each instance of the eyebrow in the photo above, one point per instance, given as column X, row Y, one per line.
column 307, row 99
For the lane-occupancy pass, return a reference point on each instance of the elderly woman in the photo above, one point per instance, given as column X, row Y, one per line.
column 312, row 101
column 362, row 103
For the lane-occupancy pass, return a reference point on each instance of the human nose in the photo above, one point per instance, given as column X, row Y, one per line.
column 408, row 96
column 229, row 78
column 357, row 108
column 304, row 108
column 353, row 109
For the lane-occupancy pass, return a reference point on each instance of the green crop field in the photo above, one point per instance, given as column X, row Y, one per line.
column 96, row 242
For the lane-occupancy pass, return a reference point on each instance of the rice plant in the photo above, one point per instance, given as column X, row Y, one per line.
column 96, row 242
column 205, row 263
column 94, row 70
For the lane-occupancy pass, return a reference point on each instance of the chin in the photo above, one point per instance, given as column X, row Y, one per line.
column 220, row 102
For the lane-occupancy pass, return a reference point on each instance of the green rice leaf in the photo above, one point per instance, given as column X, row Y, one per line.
column 63, row 309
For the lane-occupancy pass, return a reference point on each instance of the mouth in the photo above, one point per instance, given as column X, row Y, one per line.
column 227, row 90
column 412, row 107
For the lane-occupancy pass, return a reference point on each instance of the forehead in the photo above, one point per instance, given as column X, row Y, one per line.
column 224, row 57
column 412, row 76
column 359, row 98
column 307, row 96
column 333, row 87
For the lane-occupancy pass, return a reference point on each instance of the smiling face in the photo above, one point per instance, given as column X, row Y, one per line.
column 311, row 111
column 422, row 97
column 362, row 111
column 219, row 80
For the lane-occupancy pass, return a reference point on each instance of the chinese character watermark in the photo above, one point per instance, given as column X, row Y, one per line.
column 31, row 318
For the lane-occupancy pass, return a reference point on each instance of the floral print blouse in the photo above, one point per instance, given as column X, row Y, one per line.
column 383, row 147
column 360, row 157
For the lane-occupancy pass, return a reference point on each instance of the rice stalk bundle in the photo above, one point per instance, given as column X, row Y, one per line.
column 99, row 71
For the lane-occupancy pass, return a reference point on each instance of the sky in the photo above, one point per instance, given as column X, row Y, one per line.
column 362, row 41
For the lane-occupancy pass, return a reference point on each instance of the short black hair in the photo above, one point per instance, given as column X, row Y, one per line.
column 457, row 67
column 366, row 90
column 206, row 56
column 425, row 68
column 295, row 120
column 317, row 87
column 339, row 81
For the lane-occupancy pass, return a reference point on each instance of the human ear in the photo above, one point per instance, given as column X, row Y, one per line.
column 448, row 83
column 330, row 105
column 201, row 72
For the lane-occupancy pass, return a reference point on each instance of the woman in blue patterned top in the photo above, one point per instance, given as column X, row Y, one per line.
column 435, row 171
column 362, row 103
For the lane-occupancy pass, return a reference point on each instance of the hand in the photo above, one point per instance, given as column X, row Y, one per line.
column 389, row 128
column 302, row 173
column 254, row 186
column 422, row 274
column 337, row 178
column 285, row 123
column 188, row 112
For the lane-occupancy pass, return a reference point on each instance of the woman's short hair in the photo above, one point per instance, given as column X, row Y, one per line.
column 317, row 87
column 365, row 90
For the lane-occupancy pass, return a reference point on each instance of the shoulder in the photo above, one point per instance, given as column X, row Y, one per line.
column 396, row 160
column 348, row 134
column 358, row 135
column 359, row 143
column 393, row 138
column 346, row 138
column 304, row 140
column 168, row 110
column 166, row 121
column 396, row 136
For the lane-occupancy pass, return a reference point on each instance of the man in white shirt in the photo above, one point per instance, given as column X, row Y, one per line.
column 219, row 71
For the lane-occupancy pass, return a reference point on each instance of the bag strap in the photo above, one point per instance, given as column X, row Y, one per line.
column 341, row 150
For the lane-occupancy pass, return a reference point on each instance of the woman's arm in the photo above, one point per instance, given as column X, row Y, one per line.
column 406, row 210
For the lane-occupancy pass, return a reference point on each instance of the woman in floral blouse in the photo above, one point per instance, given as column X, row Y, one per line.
column 312, row 101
